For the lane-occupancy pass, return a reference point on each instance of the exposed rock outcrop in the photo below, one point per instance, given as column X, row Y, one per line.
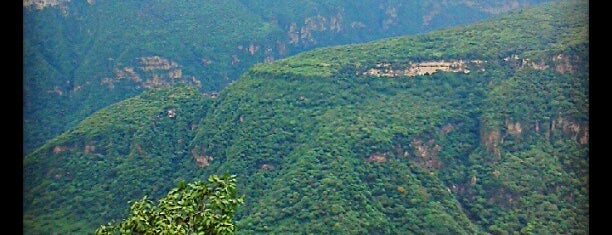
column 571, row 129
column 152, row 72
column 391, row 16
column 378, row 157
column 427, row 153
column 42, row 4
column 304, row 34
column 514, row 128
column 423, row 68
column 560, row 63
column 491, row 139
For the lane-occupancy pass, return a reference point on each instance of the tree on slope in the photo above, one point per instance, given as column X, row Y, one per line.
column 194, row 208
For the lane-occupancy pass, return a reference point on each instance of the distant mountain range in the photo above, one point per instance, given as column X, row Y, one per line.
column 80, row 56
column 479, row 129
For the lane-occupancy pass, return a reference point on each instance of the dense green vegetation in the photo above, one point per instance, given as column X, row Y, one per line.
column 75, row 55
column 194, row 208
column 321, row 145
column 120, row 153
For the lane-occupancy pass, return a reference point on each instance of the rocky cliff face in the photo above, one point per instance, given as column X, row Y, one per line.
column 42, row 4
column 559, row 62
column 153, row 72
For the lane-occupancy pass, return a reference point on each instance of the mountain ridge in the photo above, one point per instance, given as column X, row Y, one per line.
column 321, row 145
column 85, row 55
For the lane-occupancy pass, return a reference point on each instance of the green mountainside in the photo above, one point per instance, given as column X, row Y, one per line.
column 81, row 56
column 469, row 130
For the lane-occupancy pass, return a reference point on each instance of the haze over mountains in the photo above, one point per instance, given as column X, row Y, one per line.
column 482, row 128
column 80, row 56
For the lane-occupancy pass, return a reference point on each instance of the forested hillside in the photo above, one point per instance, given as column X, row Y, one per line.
column 475, row 129
column 81, row 56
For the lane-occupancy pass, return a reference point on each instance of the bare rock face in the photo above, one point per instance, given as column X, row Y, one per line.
column 42, row 4
column 571, row 129
column 335, row 22
column 424, row 68
column 253, row 48
column 448, row 128
column 514, row 128
column 304, row 33
column 491, row 139
column 584, row 139
column 294, row 36
column 378, row 157
column 267, row 167
column 427, row 153
column 563, row 64
column 58, row 149
column 560, row 63
column 203, row 161
column 89, row 149
column 152, row 72
column 391, row 17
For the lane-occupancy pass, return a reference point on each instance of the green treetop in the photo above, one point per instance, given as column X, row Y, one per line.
column 194, row 208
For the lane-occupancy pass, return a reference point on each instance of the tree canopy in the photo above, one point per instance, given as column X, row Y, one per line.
column 194, row 208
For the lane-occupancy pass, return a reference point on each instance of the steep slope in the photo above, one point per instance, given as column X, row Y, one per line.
column 360, row 138
column 477, row 129
column 85, row 55
column 130, row 149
